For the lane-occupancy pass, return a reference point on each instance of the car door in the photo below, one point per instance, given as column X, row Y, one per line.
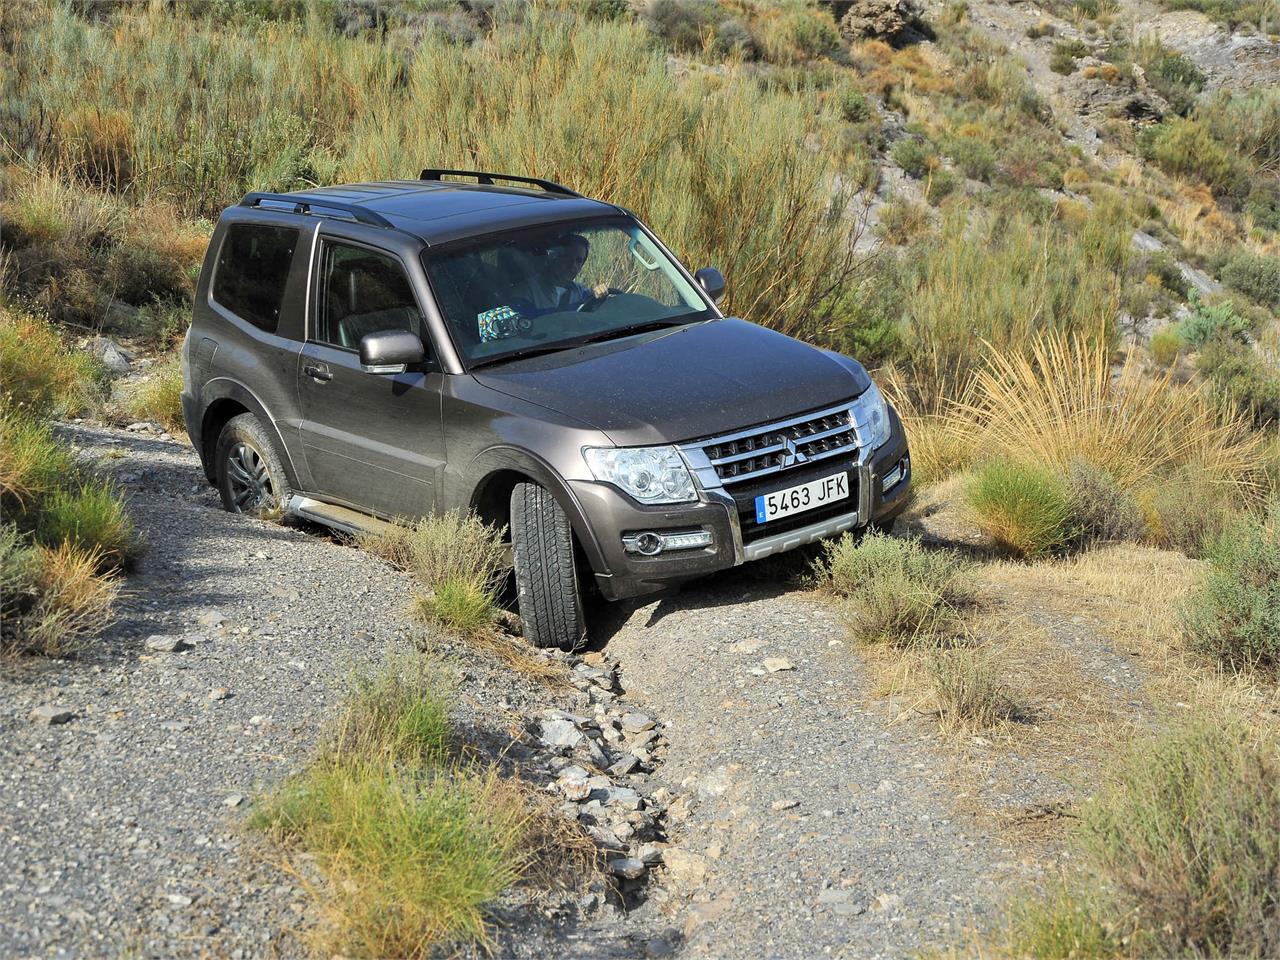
column 372, row 441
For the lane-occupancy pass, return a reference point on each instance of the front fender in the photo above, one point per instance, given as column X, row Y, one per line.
column 502, row 459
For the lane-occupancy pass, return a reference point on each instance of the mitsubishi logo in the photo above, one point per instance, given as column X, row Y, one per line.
column 790, row 455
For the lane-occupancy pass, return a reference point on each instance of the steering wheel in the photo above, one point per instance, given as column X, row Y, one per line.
column 586, row 306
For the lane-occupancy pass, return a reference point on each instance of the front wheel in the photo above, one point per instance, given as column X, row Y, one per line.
column 250, row 476
column 545, row 569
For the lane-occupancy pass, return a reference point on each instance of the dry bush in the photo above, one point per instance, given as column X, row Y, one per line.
column 968, row 689
column 896, row 591
column 39, row 374
column 437, row 550
column 1060, row 403
column 938, row 448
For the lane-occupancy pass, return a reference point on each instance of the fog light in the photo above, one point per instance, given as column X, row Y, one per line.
column 896, row 474
column 651, row 543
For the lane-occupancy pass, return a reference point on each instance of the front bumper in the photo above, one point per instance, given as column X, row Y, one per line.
column 611, row 515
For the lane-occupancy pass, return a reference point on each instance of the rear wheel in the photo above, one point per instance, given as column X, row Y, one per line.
column 545, row 569
column 250, row 476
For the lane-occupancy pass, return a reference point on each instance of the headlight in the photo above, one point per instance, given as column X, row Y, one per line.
column 650, row 474
column 871, row 417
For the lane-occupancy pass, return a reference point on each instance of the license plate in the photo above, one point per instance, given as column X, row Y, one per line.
column 806, row 496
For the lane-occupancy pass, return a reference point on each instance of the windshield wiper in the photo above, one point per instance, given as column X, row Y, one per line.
column 523, row 352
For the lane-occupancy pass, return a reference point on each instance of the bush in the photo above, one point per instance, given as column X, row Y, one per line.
column 39, row 373
column 1208, row 323
column 1188, row 834
column 973, row 157
column 1187, row 512
column 32, row 462
column 93, row 519
column 52, row 601
column 1025, row 509
column 854, row 105
column 444, row 549
column 1186, row 148
column 915, row 157
column 968, row 690
column 902, row 220
column 1065, row 54
column 1103, row 512
column 940, row 185
column 1263, row 204
column 1166, row 344
column 682, row 23
column 896, row 591
column 1257, row 276
column 1235, row 616
column 158, row 397
column 1065, row 403
column 1245, row 380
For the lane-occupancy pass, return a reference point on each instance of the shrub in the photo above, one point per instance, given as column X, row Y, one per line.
column 1263, row 204
column 968, row 689
column 1188, row 834
column 1025, row 509
column 902, row 220
column 1207, row 323
column 682, row 23
column 1186, row 148
column 1187, row 512
column 399, row 714
column 1166, row 344
column 973, row 157
column 1103, row 512
column 915, row 157
column 1257, row 276
column 854, row 105
column 92, row 518
column 1235, row 616
column 158, row 397
column 896, row 591
column 1244, row 379
column 733, row 39
column 38, row 372
column 438, row 550
column 1065, row 54
column 52, row 601
column 940, row 185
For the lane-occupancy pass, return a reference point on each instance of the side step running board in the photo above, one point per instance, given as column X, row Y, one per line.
column 332, row 515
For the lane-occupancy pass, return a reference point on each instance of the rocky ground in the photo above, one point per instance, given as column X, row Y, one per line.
column 741, row 748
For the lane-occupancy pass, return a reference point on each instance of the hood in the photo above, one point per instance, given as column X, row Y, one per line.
column 693, row 382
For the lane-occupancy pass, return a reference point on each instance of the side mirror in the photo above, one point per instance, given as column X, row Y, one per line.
column 712, row 281
column 390, row 351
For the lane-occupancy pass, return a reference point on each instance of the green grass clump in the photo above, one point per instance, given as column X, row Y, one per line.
column 1027, row 510
column 32, row 462
column 897, row 591
column 159, row 396
column 53, row 601
column 916, row 157
column 39, row 374
column 1166, row 344
column 460, row 605
column 1186, row 147
column 91, row 517
column 1255, row 275
column 1244, row 378
column 1065, row 54
column 414, row 845
column 1235, row 615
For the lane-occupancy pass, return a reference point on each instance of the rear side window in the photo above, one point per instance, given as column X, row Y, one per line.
column 253, row 266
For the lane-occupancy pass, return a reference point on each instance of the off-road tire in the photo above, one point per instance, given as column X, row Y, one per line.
column 545, row 569
column 246, row 441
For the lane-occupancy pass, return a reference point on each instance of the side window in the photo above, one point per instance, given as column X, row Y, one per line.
column 362, row 292
column 253, row 267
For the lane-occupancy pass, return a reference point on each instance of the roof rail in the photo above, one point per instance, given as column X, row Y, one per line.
column 306, row 206
column 488, row 178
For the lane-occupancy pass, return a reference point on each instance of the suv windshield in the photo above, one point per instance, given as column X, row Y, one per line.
column 548, row 288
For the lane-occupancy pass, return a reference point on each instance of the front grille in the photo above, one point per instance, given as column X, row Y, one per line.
column 773, row 448
column 744, row 498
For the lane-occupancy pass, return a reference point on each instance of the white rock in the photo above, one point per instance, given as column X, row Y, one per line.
column 684, row 868
column 636, row 722
column 50, row 715
column 560, row 733
column 165, row 643
column 628, row 868
column 777, row 664
column 234, row 800
column 218, row 693
column 784, row 804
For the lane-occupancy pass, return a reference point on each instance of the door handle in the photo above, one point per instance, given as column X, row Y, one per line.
column 317, row 372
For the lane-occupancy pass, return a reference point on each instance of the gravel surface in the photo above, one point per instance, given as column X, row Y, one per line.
column 812, row 827
column 799, row 822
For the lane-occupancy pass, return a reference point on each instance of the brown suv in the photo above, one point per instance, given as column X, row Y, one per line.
column 389, row 350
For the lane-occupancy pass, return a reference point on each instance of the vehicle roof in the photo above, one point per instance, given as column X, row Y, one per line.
column 440, row 211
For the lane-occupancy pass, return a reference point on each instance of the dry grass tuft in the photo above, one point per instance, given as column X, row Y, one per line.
column 968, row 690
column 158, row 397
